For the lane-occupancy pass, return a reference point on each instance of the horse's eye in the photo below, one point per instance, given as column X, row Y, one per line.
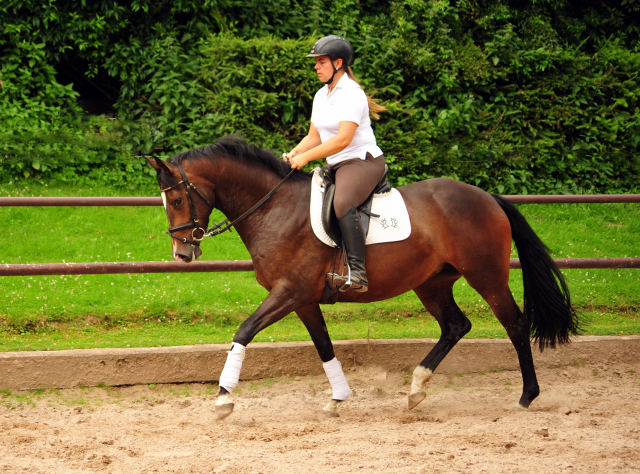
column 177, row 202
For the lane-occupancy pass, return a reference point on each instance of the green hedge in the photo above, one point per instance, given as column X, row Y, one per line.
column 535, row 96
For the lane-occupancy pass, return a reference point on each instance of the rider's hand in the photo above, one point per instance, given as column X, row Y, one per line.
column 288, row 156
column 298, row 161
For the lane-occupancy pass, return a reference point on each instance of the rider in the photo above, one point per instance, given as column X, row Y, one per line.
column 341, row 131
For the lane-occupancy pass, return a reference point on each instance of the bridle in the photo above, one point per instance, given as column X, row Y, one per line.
column 195, row 222
column 217, row 229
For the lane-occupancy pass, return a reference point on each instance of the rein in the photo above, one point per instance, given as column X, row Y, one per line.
column 217, row 229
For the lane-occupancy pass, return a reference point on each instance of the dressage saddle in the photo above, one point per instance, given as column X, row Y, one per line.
column 329, row 219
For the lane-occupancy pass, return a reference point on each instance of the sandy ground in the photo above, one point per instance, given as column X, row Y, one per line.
column 585, row 420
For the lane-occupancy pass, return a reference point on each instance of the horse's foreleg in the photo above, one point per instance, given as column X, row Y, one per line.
column 437, row 298
column 277, row 305
column 229, row 380
column 312, row 318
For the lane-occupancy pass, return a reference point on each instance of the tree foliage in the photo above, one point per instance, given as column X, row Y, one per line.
column 513, row 96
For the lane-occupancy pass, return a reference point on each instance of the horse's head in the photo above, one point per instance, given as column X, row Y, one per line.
column 187, row 207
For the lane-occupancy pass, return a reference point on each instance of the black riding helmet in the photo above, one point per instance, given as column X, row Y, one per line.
column 335, row 47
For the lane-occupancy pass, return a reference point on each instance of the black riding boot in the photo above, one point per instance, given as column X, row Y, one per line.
column 353, row 236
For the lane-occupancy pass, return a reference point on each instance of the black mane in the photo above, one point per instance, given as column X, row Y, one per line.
column 234, row 147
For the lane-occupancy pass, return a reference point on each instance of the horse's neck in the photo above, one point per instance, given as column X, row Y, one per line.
column 238, row 188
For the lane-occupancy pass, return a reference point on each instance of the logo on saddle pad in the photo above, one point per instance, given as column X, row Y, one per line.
column 389, row 220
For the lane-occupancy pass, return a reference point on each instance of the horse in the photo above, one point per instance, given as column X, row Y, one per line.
column 458, row 231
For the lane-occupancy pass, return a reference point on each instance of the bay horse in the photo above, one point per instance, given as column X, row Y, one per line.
column 458, row 231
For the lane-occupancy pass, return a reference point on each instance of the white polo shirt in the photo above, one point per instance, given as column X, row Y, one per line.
column 347, row 102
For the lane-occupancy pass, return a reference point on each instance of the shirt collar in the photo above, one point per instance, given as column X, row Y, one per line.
column 344, row 83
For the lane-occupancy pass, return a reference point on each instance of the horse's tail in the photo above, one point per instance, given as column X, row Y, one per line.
column 547, row 303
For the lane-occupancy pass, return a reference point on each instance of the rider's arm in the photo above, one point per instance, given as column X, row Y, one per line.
column 335, row 144
column 311, row 140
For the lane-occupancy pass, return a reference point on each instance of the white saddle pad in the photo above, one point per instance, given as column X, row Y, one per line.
column 392, row 225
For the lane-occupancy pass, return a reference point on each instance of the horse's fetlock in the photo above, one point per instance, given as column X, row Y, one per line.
column 528, row 395
column 224, row 398
column 421, row 375
column 533, row 392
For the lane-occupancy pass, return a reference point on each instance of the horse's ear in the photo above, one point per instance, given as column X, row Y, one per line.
column 157, row 164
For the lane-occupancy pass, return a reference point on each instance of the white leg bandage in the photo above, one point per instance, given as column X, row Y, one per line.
column 231, row 372
column 338, row 381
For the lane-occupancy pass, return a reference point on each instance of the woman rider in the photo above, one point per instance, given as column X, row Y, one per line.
column 340, row 131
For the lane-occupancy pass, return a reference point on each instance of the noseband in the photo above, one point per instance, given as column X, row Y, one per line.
column 195, row 222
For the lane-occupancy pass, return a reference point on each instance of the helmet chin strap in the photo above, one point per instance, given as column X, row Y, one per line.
column 335, row 71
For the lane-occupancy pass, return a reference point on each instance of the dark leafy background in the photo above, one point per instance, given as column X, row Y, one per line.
column 536, row 96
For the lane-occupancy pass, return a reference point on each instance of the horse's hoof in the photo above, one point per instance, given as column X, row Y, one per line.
column 521, row 407
column 331, row 410
column 223, row 411
column 415, row 398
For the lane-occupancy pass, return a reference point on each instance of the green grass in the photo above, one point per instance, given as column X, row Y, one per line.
column 59, row 312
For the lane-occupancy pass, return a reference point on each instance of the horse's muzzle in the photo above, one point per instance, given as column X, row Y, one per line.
column 191, row 254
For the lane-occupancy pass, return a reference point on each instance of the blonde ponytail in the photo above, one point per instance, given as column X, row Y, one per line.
column 374, row 107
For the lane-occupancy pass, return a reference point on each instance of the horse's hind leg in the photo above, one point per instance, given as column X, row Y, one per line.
column 493, row 285
column 518, row 329
column 437, row 297
column 311, row 317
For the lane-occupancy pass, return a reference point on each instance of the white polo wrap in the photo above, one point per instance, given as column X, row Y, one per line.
column 231, row 372
column 338, row 381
